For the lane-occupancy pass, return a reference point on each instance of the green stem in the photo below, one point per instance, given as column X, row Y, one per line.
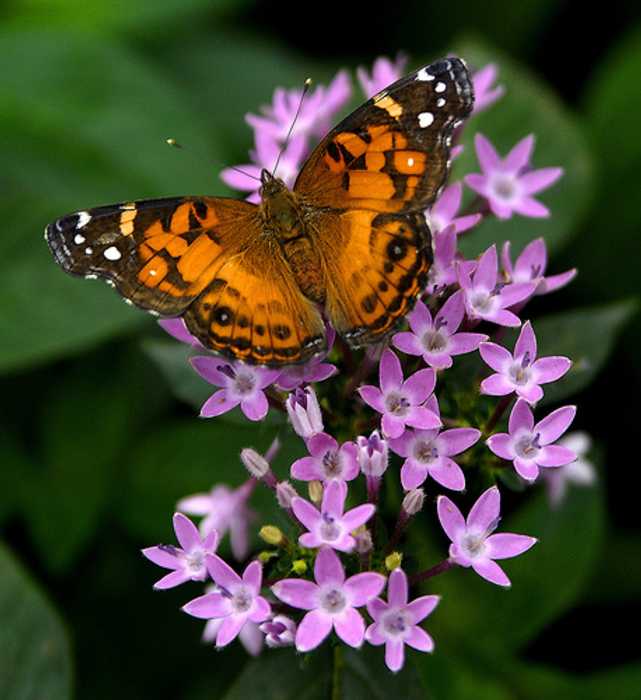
column 337, row 672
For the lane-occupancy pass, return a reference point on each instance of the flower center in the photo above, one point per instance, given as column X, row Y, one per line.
column 332, row 464
column 397, row 404
column 396, row 623
column 242, row 600
column 195, row 561
column 244, row 383
column 330, row 530
column 505, row 187
column 434, row 341
column 333, row 601
column 519, row 374
column 425, row 451
column 527, row 446
column 482, row 301
column 474, row 545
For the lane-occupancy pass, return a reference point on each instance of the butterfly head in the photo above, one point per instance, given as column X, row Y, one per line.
column 270, row 185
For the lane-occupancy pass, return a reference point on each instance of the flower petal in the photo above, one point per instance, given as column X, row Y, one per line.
column 450, row 517
column 448, row 473
column 527, row 469
column 358, row 516
column 408, row 343
column 312, row 630
column 328, row 567
column 413, row 474
column 175, row 578
column 553, row 426
column 457, row 440
column 218, row 403
column 555, row 456
column 253, row 576
column 397, row 588
column 394, row 654
column 496, row 356
column 484, row 515
column 491, row 572
column 521, row 417
column 501, row 445
column 496, row 385
column 186, row 532
column 488, row 157
column 256, row 407
column 390, row 372
column 526, row 343
column 505, row 545
column 452, row 312
column 363, row 587
column 221, row 572
column 549, row 369
column 305, row 512
column 163, row 555
column 334, row 497
column 487, row 270
column 262, row 610
column 350, row 627
column 373, row 397
column 296, row 592
column 423, row 606
column 461, row 343
column 210, row 605
column 306, row 469
column 419, row 639
column 419, row 386
column 519, row 157
column 230, row 629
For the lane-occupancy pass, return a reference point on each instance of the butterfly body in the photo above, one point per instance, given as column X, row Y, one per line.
column 349, row 243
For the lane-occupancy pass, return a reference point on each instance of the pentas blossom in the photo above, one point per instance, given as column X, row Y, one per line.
column 331, row 601
column 279, row 631
column 304, row 412
column 187, row 561
column 436, row 341
column 508, row 184
column 521, row 372
column 327, row 461
column 384, row 73
column 250, row 636
column 331, row 525
column 237, row 601
column 396, row 621
column 530, row 267
column 401, row 402
column 581, row 472
column 443, row 272
column 530, row 446
column 485, row 94
column 224, row 509
column 372, row 455
column 242, row 385
column 473, row 543
column 443, row 212
column 316, row 370
column 485, row 298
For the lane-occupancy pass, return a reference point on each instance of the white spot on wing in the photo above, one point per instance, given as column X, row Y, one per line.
column 439, row 87
column 424, row 75
column 410, row 162
column 79, row 239
column 425, row 119
column 112, row 253
column 88, row 251
column 83, row 219
column 440, row 102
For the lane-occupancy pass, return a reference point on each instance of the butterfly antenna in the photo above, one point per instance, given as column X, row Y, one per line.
column 174, row 144
column 306, row 86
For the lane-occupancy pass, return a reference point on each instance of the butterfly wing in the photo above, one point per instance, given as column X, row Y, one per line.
column 200, row 257
column 367, row 185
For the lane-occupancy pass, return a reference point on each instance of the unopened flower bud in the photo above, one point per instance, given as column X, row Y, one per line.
column 271, row 534
column 373, row 454
column 284, row 494
column 255, row 463
column 299, row 567
column 279, row 631
column 315, row 491
column 413, row 501
column 363, row 539
column 304, row 412
column 266, row 555
column 393, row 561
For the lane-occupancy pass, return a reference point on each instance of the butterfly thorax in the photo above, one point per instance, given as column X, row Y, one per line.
column 285, row 219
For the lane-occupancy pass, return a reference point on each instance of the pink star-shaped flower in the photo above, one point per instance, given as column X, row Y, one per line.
column 530, row 267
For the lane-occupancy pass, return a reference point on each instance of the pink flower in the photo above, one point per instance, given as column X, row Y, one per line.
column 580, row 472
column 384, row 73
column 508, row 184
column 443, row 272
column 484, row 94
column 485, row 298
column 331, row 526
column 188, row 560
column 443, row 212
column 327, row 460
column 250, row 636
column 280, row 631
column 401, row 402
column 396, row 622
column 530, row 267
column 242, row 385
column 224, row 509
column 473, row 543
column 438, row 340
column 529, row 446
column 520, row 372
column 237, row 601
column 331, row 602
column 373, row 455
column 313, row 371
column 304, row 412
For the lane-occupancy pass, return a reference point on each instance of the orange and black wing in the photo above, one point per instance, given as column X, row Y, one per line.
column 366, row 186
column 200, row 257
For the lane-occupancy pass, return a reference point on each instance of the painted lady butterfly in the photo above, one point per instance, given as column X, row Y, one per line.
column 350, row 241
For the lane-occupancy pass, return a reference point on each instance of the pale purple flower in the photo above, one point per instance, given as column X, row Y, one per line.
column 304, row 412
column 401, row 402
column 484, row 92
column 384, row 73
column 242, row 385
column 443, row 212
column 331, row 602
column 473, row 543
column 443, row 272
column 430, row 452
column 327, row 461
column 529, row 446
column 580, row 472
column 508, row 184
column 530, row 267
column 177, row 329
column 250, row 636
column 396, row 622
column 438, row 340
column 521, row 372
column 313, row 371
column 237, row 600
column 264, row 157
column 187, row 561
column 279, row 631
column 224, row 509
column 331, row 526
column 373, row 454
column 485, row 298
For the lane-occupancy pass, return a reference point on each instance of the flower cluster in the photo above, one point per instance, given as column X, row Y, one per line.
column 450, row 400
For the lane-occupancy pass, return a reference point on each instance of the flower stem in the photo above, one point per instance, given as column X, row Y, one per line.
column 403, row 519
column 496, row 416
column 275, row 399
column 361, row 373
column 445, row 565
column 337, row 672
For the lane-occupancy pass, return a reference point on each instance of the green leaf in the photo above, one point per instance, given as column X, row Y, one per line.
column 35, row 658
column 529, row 106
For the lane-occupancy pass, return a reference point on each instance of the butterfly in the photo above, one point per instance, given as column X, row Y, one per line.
column 349, row 242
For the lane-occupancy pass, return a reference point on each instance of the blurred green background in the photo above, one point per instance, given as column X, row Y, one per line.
column 99, row 436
